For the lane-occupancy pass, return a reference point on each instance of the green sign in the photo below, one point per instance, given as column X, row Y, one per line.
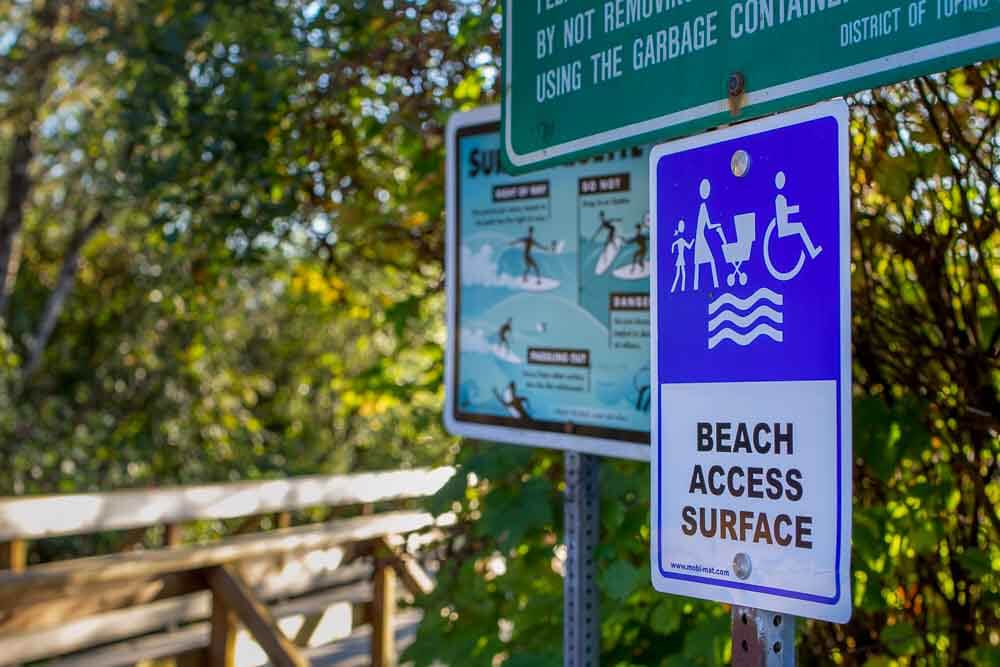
column 582, row 76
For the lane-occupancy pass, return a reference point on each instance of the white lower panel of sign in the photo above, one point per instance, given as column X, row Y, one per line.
column 751, row 470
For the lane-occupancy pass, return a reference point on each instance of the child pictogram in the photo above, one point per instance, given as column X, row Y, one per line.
column 678, row 247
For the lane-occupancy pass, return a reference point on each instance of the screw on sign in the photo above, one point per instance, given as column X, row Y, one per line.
column 751, row 374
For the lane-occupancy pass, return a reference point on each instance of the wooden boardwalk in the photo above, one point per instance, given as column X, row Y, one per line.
column 285, row 585
column 355, row 651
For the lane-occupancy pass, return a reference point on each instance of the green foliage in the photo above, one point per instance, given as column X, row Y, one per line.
column 500, row 587
column 220, row 257
column 260, row 293
column 926, row 561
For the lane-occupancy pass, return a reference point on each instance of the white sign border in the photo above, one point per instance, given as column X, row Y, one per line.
column 835, row 77
column 731, row 592
column 506, row 434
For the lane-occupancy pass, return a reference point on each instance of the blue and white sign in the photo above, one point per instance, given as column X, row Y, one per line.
column 751, row 429
column 548, row 297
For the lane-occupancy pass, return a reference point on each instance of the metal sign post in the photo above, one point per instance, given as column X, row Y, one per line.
column 762, row 638
column 582, row 515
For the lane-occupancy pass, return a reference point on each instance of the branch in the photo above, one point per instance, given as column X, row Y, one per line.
column 18, row 190
column 57, row 299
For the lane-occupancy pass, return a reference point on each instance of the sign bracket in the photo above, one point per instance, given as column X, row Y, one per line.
column 762, row 638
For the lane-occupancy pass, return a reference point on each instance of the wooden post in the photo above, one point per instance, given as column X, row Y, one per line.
column 14, row 555
column 197, row 658
column 172, row 535
column 383, row 614
column 283, row 520
column 308, row 629
column 229, row 590
column 222, row 646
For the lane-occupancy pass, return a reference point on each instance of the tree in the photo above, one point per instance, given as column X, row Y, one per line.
column 184, row 164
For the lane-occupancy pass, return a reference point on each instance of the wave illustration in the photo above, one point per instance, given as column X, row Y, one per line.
column 743, row 321
column 746, row 338
column 763, row 294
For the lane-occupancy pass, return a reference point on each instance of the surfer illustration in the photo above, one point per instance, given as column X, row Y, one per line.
column 607, row 225
column 530, row 264
column 641, row 242
column 504, row 334
column 641, row 384
column 516, row 405
column 613, row 243
column 642, row 402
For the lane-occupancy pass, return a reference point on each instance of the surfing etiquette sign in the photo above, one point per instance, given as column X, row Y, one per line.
column 548, row 297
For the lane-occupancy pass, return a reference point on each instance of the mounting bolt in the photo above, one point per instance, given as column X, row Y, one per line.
column 737, row 84
column 740, row 163
column 742, row 566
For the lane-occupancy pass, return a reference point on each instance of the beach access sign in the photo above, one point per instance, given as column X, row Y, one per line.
column 751, row 471
column 585, row 75
column 548, row 297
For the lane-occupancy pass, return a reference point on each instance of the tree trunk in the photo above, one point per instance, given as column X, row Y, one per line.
column 18, row 191
column 57, row 300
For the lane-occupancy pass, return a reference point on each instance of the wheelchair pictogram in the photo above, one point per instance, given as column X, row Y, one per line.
column 786, row 227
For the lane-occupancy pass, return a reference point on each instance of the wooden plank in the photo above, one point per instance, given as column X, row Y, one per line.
column 192, row 638
column 249, row 525
column 102, row 629
column 271, row 577
column 80, row 634
column 132, row 540
column 383, row 615
column 222, row 638
column 67, row 577
column 308, row 629
column 232, row 594
column 414, row 578
column 354, row 651
column 95, row 600
column 14, row 555
column 74, row 514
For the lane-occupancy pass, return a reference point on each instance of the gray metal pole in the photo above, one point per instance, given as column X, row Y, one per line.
column 762, row 638
column 581, row 512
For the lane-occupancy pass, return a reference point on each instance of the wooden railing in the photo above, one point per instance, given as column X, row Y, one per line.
column 187, row 601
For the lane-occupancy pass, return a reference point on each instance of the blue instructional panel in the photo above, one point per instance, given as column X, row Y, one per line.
column 751, row 364
column 549, row 298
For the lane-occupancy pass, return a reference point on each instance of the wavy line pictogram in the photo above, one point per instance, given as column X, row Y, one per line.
column 746, row 338
column 763, row 294
column 743, row 321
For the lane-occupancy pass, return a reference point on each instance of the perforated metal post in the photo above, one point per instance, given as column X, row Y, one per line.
column 581, row 626
column 763, row 638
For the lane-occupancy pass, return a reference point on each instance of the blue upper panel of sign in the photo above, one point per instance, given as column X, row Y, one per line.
column 748, row 266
